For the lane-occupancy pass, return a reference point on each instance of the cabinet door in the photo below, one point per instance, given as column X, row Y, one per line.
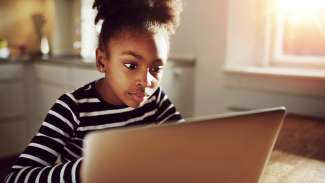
column 82, row 76
column 11, row 91
column 53, row 74
column 49, row 93
column 178, row 84
column 12, row 137
column 47, row 85
column 12, row 99
column 12, row 110
column 51, row 82
column 11, row 72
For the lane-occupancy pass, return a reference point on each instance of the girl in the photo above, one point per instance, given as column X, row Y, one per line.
column 133, row 49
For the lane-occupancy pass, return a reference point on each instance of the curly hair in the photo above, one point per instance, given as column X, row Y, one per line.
column 151, row 15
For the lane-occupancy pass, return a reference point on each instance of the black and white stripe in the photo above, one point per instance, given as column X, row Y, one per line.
column 68, row 121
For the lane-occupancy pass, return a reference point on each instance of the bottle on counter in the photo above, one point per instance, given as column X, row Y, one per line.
column 4, row 50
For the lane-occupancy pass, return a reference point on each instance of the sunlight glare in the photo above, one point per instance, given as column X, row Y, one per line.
column 298, row 10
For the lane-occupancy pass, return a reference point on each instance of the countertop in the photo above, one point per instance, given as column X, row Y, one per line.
column 88, row 63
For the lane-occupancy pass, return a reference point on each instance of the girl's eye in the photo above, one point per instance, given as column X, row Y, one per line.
column 156, row 69
column 131, row 66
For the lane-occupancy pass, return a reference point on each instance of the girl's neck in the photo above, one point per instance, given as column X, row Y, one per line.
column 106, row 92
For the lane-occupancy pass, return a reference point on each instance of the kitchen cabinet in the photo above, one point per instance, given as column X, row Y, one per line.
column 12, row 137
column 82, row 76
column 12, row 109
column 12, row 99
column 55, row 80
column 49, row 82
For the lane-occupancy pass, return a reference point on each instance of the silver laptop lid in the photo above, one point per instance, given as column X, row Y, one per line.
column 225, row 148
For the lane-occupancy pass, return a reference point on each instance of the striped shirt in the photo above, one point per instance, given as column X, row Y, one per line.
column 72, row 116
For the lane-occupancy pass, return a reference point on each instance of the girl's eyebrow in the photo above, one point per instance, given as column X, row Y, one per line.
column 133, row 54
column 158, row 61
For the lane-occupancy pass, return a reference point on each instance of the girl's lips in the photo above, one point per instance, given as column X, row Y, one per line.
column 138, row 97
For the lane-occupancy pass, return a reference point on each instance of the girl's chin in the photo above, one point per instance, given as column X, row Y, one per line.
column 135, row 104
column 135, row 101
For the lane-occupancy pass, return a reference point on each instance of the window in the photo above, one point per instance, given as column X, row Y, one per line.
column 276, row 45
column 299, row 32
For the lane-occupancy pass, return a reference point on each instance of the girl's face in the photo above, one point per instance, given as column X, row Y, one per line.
column 133, row 67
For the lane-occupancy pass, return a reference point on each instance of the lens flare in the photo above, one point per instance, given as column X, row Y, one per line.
column 301, row 27
column 300, row 10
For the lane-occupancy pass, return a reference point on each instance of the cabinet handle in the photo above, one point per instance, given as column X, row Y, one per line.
column 178, row 73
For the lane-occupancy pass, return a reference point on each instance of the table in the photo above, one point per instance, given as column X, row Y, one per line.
column 299, row 153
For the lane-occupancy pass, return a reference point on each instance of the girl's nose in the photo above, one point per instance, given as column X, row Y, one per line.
column 145, row 80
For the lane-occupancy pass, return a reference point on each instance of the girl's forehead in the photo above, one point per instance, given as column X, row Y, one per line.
column 143, row 43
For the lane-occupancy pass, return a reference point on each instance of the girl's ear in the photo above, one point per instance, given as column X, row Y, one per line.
column 100, row 60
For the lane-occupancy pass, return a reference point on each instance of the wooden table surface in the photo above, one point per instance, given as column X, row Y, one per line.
column 299, row 155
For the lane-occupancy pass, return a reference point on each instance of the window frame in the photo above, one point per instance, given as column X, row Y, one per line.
column 275, row 24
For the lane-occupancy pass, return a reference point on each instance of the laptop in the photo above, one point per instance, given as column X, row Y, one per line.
column 233, row 147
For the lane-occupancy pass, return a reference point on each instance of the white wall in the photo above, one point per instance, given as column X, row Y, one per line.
column 202, row 34
column 209, row 34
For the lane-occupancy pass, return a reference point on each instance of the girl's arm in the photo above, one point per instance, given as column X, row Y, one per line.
column 37, row 162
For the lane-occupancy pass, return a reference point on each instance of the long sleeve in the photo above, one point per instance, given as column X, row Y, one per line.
column 166, row 110
column 37, row 162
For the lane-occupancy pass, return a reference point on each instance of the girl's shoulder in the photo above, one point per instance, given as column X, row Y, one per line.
column 84, row 92
column 159, row 94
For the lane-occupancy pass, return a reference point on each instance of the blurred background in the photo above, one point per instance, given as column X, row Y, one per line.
column 227, row 55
